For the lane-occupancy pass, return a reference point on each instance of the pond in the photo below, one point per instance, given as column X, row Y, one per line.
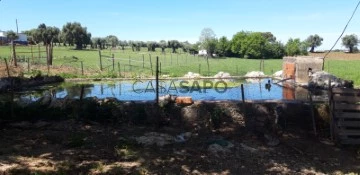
column 143, row 90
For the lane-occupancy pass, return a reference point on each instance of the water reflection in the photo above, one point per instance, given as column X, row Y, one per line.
column 254, row 89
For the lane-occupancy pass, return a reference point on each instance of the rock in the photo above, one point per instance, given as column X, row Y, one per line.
column 220, row 149
column 155, row 138
column 183, row 137
column 248, row 148
column 271, row 140
column 21, row 125
column 192, row 75
column 254, row 74
column 278, row 74
column 321, row 80
column 221, row 75
column 41, row 124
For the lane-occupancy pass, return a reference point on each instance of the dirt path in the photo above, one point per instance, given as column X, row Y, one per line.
column 71, row 147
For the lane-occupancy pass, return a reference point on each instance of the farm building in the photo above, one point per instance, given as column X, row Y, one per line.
column 21, row 40
column 299, row 68
column 3, row 39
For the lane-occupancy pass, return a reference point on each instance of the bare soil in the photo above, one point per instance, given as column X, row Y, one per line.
column 74, row 147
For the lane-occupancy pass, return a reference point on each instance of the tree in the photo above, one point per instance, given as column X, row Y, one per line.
column 174, row 44
column 74, row 33
column 350, row 42
column 151, row 45
column 112, row 40
column 163, row 45
column 186, row 46
column 223, row 46
column 47, row 35
column 314, row 41
column 274, row 50
column 237, row 42
column 122, row 44
column 208, row 41
column 12, row 36
column 295, row 47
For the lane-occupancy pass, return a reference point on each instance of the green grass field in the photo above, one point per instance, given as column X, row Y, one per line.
column 136, row 64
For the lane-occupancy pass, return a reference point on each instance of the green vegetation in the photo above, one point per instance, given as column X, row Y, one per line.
column 172, row 64
column 350, row 42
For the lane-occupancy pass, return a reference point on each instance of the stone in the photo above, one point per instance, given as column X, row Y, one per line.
column 155, row 138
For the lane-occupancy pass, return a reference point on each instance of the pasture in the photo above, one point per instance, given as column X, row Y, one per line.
column 68, row 62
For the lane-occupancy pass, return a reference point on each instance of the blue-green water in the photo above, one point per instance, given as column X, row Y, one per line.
column 141, row 90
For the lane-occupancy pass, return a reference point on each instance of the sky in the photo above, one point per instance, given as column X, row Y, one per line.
column 183, row 20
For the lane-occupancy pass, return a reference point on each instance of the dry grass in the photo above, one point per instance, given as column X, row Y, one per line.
column 338, row 56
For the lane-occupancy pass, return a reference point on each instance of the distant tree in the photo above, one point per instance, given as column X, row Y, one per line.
column 208, row 41
column 223, row 46
column 74, row 33
column 350, row 42
column 274, row 50
column 314, row 41
column 237, row 42
column 174, row 44
column 151, row 45
column 112, row 40
column 295, row 47
column 122, row 44
column 269, row 37
column 186, row 46
column 195, row 48
column 48, row 35
column 12, row 36
column 163, row 45
column 206, row 33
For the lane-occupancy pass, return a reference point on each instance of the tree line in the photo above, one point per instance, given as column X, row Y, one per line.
column 243, row 44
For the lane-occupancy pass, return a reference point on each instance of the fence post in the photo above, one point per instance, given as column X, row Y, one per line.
column 100, row 60
column 171, row 59
column 113, row 62
column 119, row 69
column 151, row 67
column 160, row 68
column 28, row 64
column 157, row 80
column 199, row 68
column 130, row 68
column 207, row 60
column 243, row 99
column 39, row 52
column 32, row 54
column 143, row 61
column 177, row 59
column 7, row 67
column 82, row 68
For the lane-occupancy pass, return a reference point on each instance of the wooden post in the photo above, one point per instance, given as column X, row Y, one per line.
column 7, row 67
column 130, row 68
column 119, row 69
column 151, row 67
column 82, row 68
column 143, row 61
column 28, row 64
column 171, row 59
column 48, row 69
column 113, row 62
column 243, row 99
column 331, row 109
column 100, row 60
column 177, row 59
column 39, row 52
column 160, row 68
column 32, row 54
column 207, row 60
column 199, row 68
column 157, row 80
column 312, row 113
